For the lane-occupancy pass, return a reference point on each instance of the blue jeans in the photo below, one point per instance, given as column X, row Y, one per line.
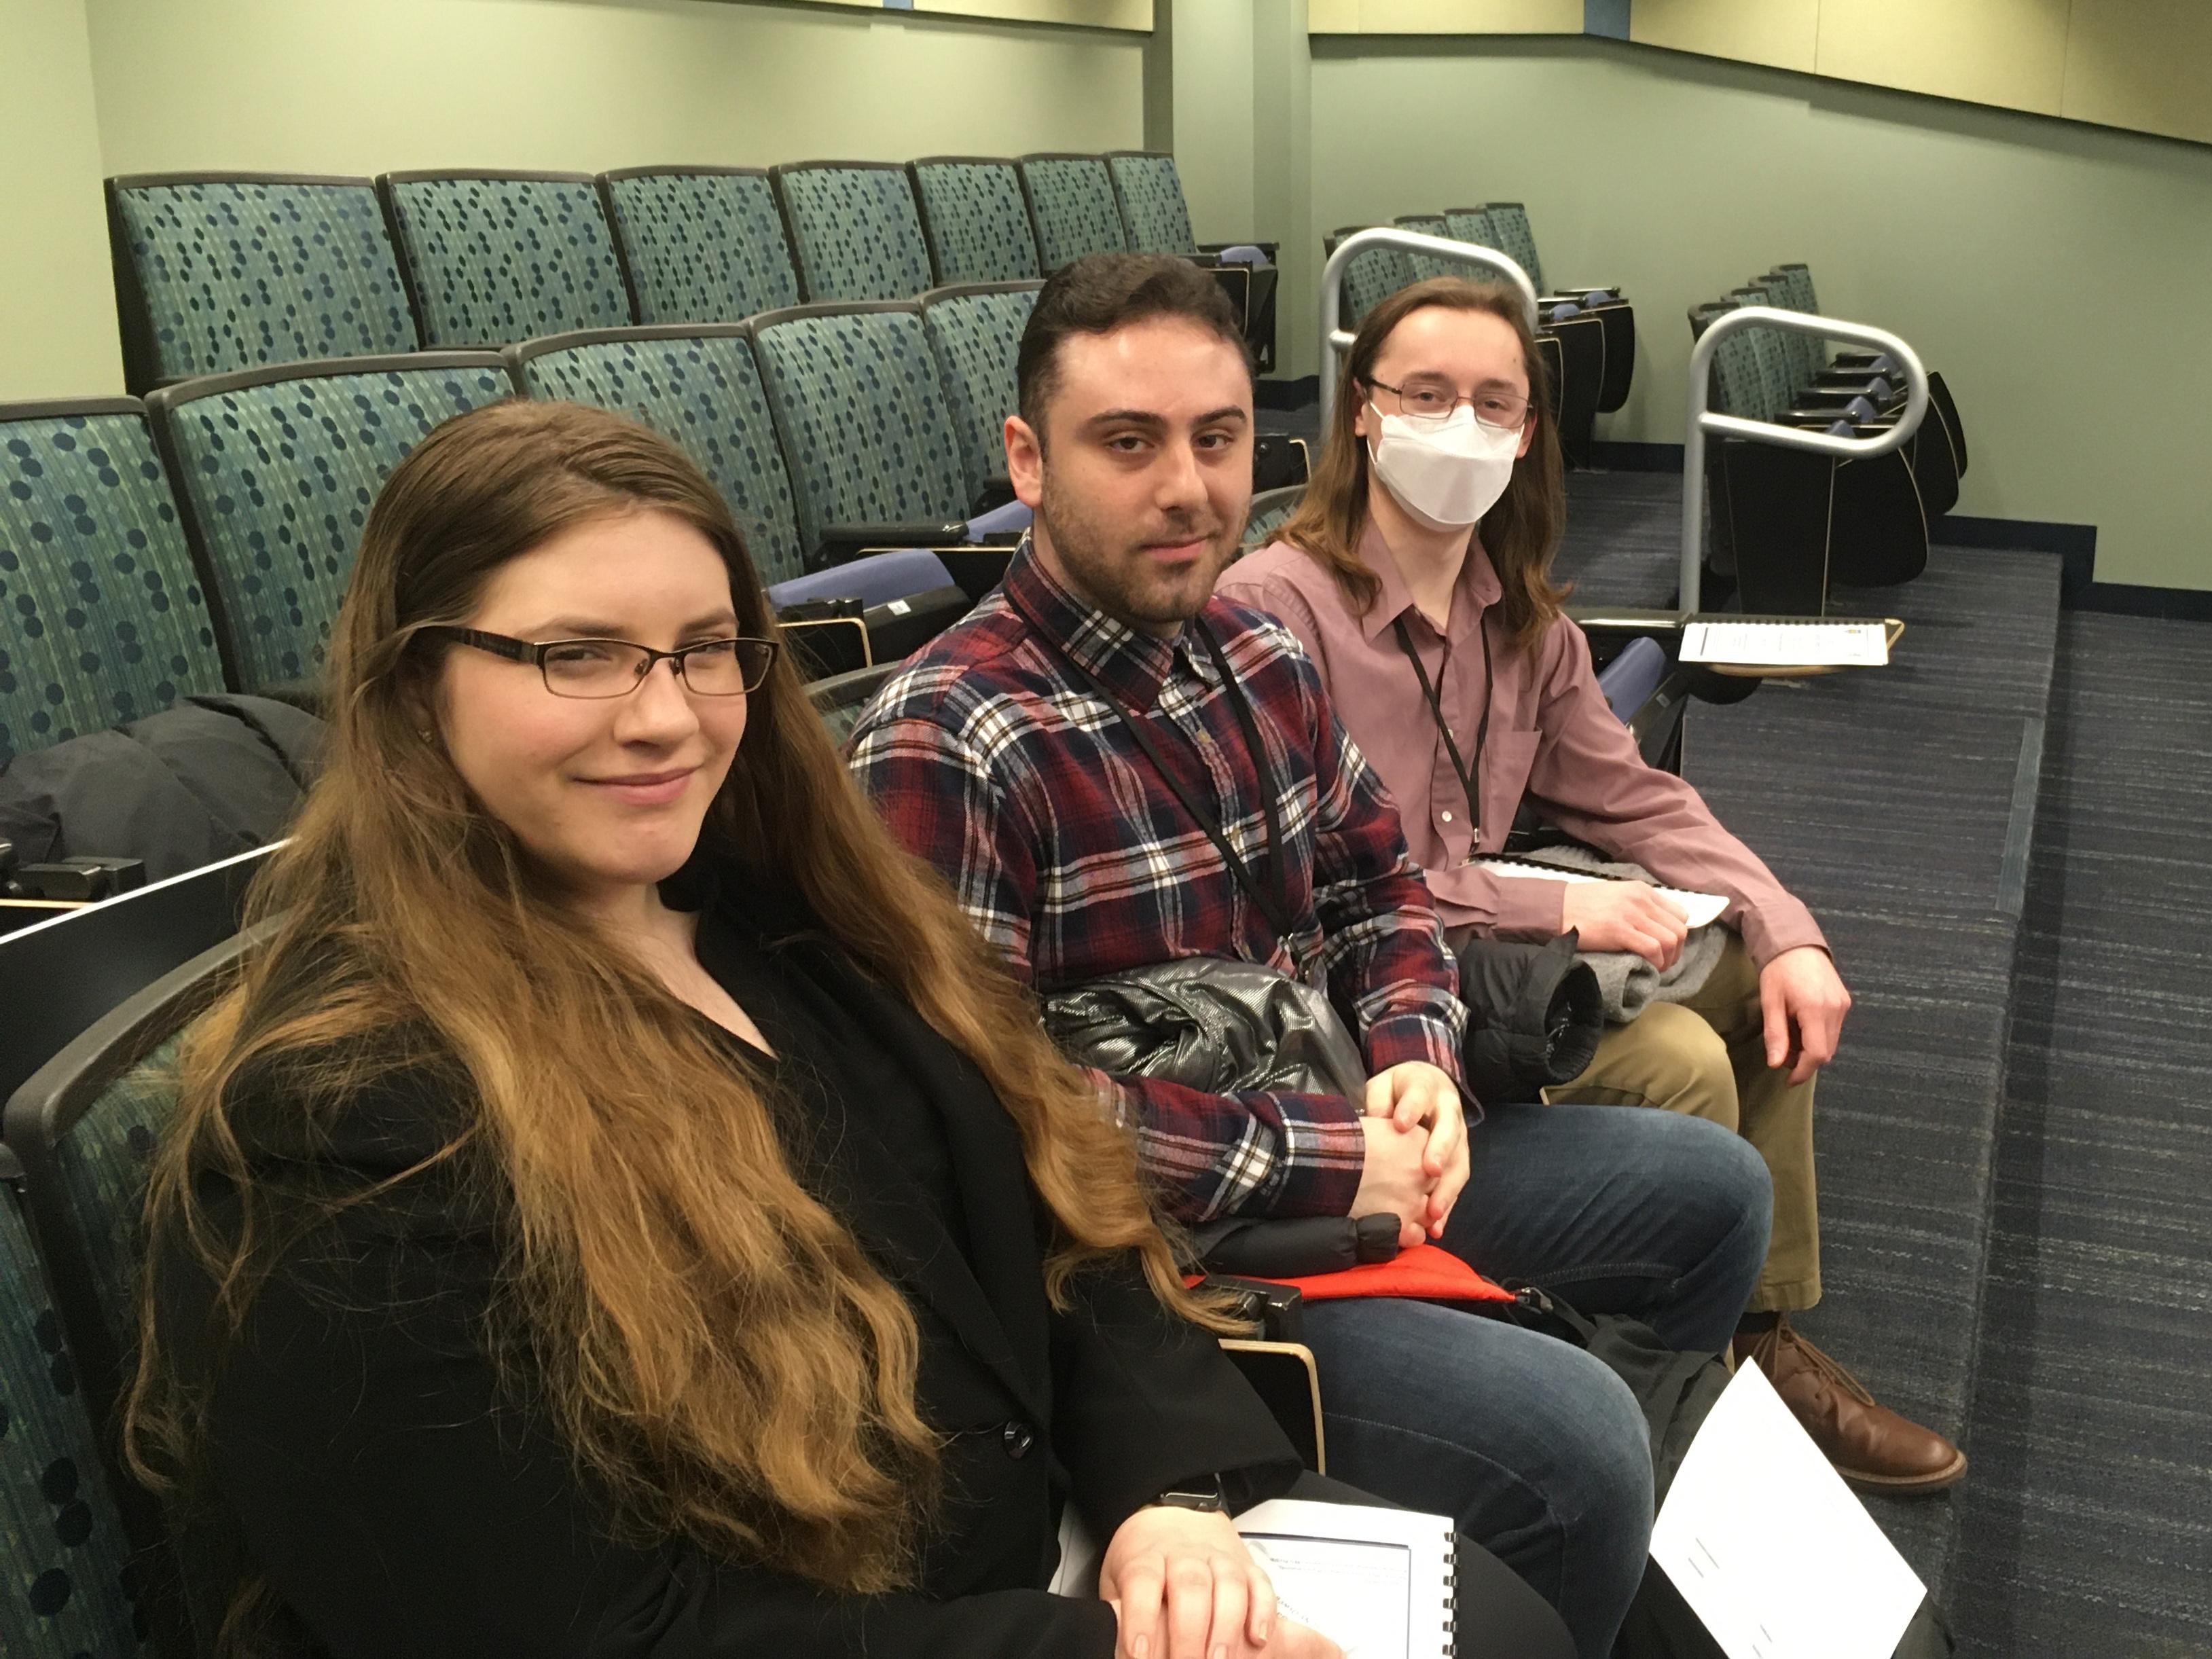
column 1536, row 1450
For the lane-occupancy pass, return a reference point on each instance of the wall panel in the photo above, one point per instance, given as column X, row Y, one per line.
column 1448, row 17
column 2011, row 53
column 2144, row 64
column 1780, row 33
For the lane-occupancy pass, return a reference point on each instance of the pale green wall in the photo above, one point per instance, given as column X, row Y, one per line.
column 367, row 86
column 56, row 317
column 1212, row 42
column 2051, row 271
column 341, row 86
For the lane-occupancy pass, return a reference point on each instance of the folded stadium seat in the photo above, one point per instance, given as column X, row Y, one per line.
column 700, row 245
column 218, row 272
column 975, row 336
column 1581, row 341
column 1792, row 523
column 1872, row 397
column 1795, row 285
column 492, row 258
column 1149, row 193
column 102, row 616
column 854, row 230
column 1071, row 208
column 841, row 700
column 72, row 1584
column 975, row 220
column 868, row 435
column 1510, row 222
column 698, row 387
column 276, row 469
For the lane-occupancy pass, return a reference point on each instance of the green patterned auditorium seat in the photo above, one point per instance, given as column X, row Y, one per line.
column 495, row 258
column 866, row 427
column 975, row 333
column 1149, row 192
column 70, row 1584
column 1510, row 221
column 1471, row 225
column 975, row 220
column 1271, row 509
column 1373, row 278
column 854, row 230
column 276, row 469
column 1071, row 208
column 699, row 387
column 102, row 617
column 1425, row 265
column 219, row 271
column 701, row 244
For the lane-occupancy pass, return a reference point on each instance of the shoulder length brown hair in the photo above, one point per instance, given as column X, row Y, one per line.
column 714, row 1346
column 1521, row 533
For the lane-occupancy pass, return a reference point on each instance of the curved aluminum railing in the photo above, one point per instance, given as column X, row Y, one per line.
column 1336, row 341
column 1703, row 420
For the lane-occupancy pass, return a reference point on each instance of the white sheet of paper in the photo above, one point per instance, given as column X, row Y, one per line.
column 1788, row 644
column 1702, row 908
column 1770, row 1547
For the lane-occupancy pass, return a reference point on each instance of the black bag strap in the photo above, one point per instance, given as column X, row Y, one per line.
column 1273, row 900
column 1470, row 779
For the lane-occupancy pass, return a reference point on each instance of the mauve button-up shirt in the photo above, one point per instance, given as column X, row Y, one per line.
column 1551, row 736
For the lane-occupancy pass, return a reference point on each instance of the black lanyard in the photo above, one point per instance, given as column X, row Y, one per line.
column 1470, row 782
column 1273, row 900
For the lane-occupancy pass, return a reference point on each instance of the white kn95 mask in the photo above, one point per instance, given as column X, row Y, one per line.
column 1446, row 476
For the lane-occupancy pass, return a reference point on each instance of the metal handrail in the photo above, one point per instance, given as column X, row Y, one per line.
column 1703, row 420
column 1335, row 340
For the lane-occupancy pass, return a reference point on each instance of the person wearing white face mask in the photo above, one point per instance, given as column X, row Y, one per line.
column 1415, row 571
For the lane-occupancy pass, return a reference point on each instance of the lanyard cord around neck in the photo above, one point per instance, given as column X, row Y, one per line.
column 1470, row 782
column 1273, row 898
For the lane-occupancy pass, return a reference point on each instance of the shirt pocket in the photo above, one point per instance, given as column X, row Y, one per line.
column 1508, row 757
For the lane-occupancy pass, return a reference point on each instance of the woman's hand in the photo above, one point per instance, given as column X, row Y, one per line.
column 1626, row 915
column 1183, row 1586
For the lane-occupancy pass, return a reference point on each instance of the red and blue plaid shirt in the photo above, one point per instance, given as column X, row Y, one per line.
column 990, row 757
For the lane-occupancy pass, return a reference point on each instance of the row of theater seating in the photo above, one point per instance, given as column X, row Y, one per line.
column 1788, row 525
column 1588, row 335
column 221, row 272
column 204, row 537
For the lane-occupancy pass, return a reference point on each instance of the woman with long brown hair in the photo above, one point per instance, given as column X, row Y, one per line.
column 621, row 1206
column 1416, row 571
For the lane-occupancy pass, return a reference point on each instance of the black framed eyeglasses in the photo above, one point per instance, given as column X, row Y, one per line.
column 1431, row 399
column 615, row 668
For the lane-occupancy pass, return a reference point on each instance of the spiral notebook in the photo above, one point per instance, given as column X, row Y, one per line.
column 1378, row 1583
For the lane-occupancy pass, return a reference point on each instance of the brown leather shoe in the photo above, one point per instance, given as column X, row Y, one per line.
column 1870, row 1445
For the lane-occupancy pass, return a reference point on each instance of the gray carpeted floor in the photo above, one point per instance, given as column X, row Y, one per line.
column 2088, row 1528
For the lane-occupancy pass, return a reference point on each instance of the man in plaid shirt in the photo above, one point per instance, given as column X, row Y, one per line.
column 997, row 754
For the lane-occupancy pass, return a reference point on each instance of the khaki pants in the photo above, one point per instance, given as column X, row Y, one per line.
column 1707, row 1057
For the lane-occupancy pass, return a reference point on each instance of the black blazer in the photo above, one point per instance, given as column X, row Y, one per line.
column 398, row 1503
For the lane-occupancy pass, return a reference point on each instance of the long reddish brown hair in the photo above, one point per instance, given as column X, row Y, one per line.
column 710, row 1341
column 1521, row 534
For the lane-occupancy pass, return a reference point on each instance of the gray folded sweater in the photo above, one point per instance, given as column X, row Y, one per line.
column 1628, row 982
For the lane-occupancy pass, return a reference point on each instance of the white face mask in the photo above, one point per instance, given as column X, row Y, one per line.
column 1446, row 477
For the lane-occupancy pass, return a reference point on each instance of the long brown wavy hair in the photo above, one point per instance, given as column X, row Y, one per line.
column 1521, row 533
column 712, row 1344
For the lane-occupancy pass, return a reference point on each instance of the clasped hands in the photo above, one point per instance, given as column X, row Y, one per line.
column 1417, row 1161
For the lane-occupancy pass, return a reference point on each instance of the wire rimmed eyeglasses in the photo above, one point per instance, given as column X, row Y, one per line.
column 1431, row 401
column 615, row 668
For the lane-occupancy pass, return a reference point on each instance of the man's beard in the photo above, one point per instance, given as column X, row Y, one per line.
column 1117, row 575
